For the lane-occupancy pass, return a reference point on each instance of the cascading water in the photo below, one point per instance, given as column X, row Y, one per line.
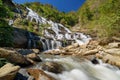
column 11, row 22
column 32, row 40
column 59, row 33
column 29, row 40
column 79, row 69
column 43, row 44
column 75, row 68
column 47, row 43
column 84, row 70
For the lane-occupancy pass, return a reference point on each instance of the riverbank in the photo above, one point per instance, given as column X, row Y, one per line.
column 69, row 60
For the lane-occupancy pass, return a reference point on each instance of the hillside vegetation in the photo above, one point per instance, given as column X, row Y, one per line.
column 100, row 18
column 51, row 13
column 5, row 29
column 47, row 11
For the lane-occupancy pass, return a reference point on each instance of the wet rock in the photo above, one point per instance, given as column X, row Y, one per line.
column 52, row 67
column 14, row 57
column 25, row 51
column 20, row 38
column 34, row 57
column 39, row 74
column 95, row 61
column 91, row 58
column 8, row 71
column 20, row 77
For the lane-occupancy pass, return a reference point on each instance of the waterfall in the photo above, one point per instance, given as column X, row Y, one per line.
column 32, row 40
column 47, row 43
column 43, row 45
column 11, row 22
column 52, row 44
column 56, row 33
column 34, row 44
column 29, row 40
column 29, row 43
column 58, row 44
column 79, row 69
column 75, row 68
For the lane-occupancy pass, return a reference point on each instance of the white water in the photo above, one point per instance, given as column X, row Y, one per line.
column 43, row 45
column 79, row 70
column 75, row 69
column 61, row 33
column 47, row 42
column 11, row 22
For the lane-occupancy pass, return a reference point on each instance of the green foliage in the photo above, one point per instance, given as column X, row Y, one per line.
column 47, row 11
column 5, row 29
column 5, row 11
column 3, row 61
column 53, row 14
column 6, row 36
column 103, row 17
column 42, row 27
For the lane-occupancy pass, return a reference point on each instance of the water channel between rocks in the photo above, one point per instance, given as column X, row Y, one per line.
column 79, row 69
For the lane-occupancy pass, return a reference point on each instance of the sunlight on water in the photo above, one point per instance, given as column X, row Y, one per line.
column 76, row 70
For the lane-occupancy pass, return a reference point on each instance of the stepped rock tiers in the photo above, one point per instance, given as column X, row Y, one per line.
column 56, row 35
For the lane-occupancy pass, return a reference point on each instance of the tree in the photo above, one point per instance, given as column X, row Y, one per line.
column 5, row 29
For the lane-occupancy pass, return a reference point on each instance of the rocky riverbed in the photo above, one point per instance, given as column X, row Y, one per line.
column 58, row 54
column 59, row 64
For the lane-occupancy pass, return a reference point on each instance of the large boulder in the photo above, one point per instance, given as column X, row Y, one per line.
column 34, row 57
column 14, row 57
column 52, row 67
column 26, row 39
column 20, row 38
column 8, row 71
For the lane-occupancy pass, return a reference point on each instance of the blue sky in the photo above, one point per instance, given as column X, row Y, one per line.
column 62, row 5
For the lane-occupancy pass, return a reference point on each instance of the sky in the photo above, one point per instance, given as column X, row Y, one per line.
column 61, row 5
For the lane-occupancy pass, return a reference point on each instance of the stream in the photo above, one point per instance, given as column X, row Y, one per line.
column 75, row 67
column 79, row 69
